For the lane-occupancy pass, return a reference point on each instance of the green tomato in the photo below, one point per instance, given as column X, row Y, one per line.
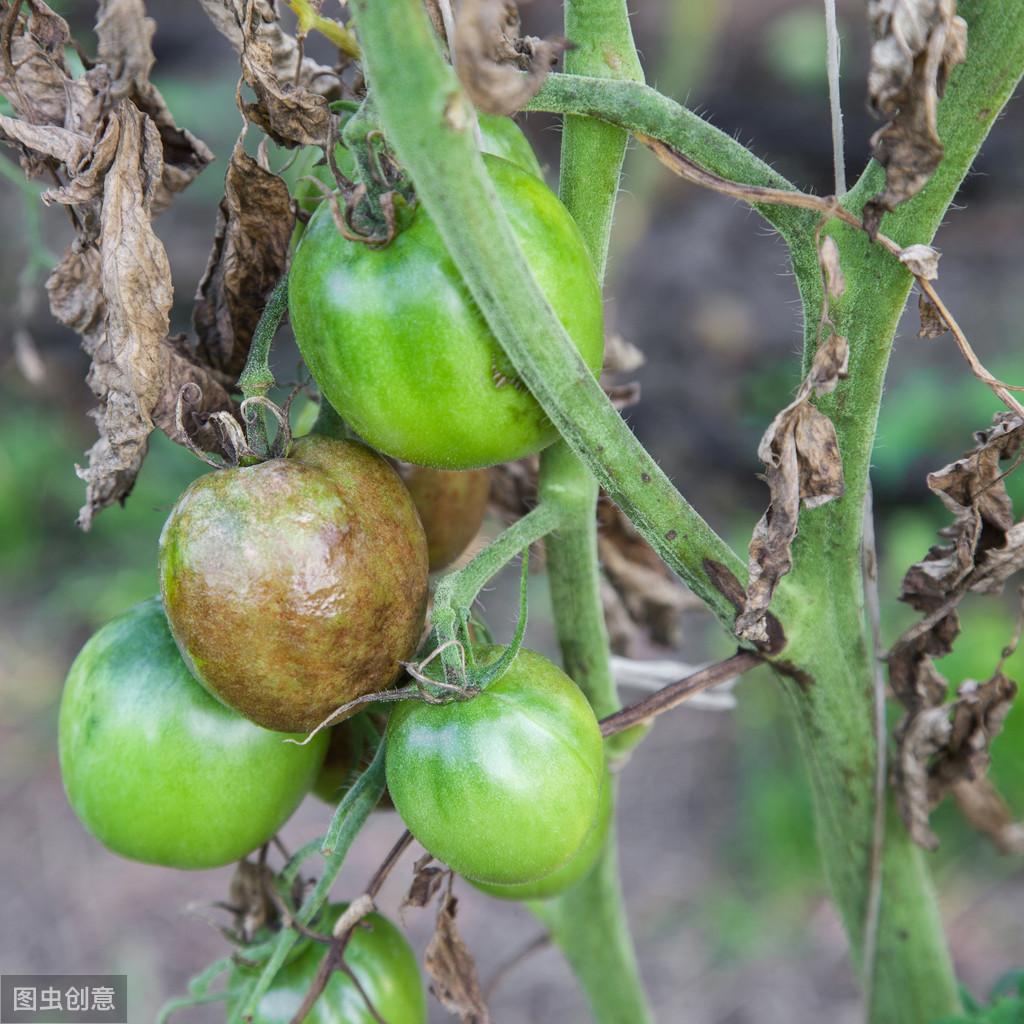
column 377, row 954
column 503, row 787
column 451, row 506
column 400, row 349
column 569, row 873
column 296, row 585
column 159, row 771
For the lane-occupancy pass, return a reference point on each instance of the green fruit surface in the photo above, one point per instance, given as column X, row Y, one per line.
column 396, row 343
column 159, row 771
column 503, row 787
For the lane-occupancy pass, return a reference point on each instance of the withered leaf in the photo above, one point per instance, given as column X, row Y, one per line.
column 933, row 324
column 288, row 110
column 642, row 586
column 117, row 296
column 490, row 55
column 916, row 45
column 452, row 970
column 124, row 41
column 921, row 261
column 981, row 804
column 943, row 747
column 427, row 880
column 250, row 250
column 803, row 465
column 35, row 79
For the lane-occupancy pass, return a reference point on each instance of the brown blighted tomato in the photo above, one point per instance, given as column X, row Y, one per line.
column 296, row 585
column 452, row 505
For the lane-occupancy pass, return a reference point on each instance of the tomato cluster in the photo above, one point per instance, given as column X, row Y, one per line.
column 292, row 586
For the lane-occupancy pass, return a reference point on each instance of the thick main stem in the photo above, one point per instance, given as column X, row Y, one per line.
column 589, row 922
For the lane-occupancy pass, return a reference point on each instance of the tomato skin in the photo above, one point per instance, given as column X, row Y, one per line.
column 159, row 771
column 293, row 586
column 503, row 787
column 451, row 505
column 569, row 873
column 399, row 348
column 378, row 955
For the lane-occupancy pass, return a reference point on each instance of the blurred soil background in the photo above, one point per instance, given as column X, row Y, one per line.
column 720, row 867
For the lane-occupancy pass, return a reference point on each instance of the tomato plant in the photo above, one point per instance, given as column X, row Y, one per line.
column 158, row 770
column 402, row 352
column 499, row 136
column 380, row 958
column 451, row 505
column 503, row 787
column 297, row 584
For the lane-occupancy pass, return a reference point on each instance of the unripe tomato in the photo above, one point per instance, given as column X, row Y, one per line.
column 377, row 954
column 451, row 505
column 159, row 771
column 400, row 349
column 569, row 873
column 503, row 787
column 298, row 584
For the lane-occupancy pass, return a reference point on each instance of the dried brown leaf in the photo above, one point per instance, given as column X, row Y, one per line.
column 36, row 77
column 981, row 804
column 124, row 41
column 933, row 324
column 916, row 45
column 921, row 261
column 451, row 967
column 286, row 106
column 250, row 251
column 117, row 296
column 803, row 466
column 427, row 880
column 943, row 747
column 647, row 590
column 490, row 56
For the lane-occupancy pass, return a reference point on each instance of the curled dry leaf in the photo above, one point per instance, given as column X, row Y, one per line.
column 427, row 880
column 490, row 56
column 803, row 466
column 921, row 261
column 250, row 251
column 916, row 45
column 124, row 36
column 643, row 596
column 288, row 107
column 943, row 747
column 117, row 296
column 452, row 969
column 933, row 324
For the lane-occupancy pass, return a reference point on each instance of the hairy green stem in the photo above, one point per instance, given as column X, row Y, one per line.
column 912, row 978
column 256, row 378
column 589, row 921
column 348, row 820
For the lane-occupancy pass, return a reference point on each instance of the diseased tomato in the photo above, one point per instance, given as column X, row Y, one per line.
column 451, row 505
column 569, row 873
column 159, row 771
column 503, row 787
column 379, row 956
column 400, row 349
column 298, row 584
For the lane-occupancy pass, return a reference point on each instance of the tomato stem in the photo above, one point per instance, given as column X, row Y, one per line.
column 256, row 379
